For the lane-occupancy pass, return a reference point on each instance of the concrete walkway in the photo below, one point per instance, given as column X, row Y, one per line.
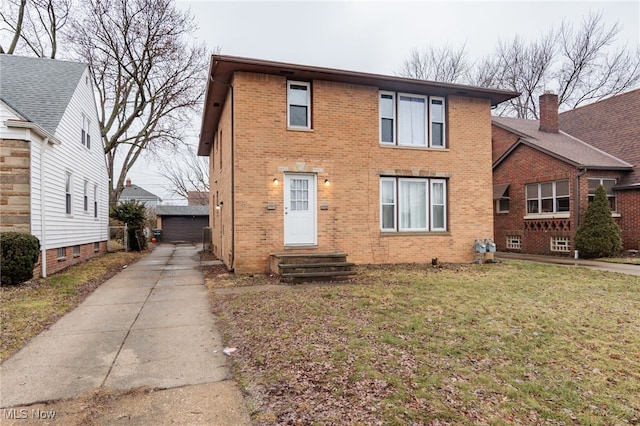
column 150, row 325
column 622, row 268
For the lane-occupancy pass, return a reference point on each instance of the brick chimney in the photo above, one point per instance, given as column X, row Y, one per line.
column 128, row 183
column 549, row 112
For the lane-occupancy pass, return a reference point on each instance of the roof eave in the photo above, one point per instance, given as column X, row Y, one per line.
column 223, row 67
column 33, row 126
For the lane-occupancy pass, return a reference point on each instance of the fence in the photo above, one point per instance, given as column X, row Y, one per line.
column 118, row 238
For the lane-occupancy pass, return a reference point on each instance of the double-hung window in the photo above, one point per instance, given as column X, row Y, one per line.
column 412, row 120
column 299, row 104
column 67, row 193
column 548, row 197
column 95, row 201
column 608, row 184
column 85, row 136
column 85, row 197
column 413, row 204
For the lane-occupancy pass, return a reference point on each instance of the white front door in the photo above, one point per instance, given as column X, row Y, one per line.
column 299, row 209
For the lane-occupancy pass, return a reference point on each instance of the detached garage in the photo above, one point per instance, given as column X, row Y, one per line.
column 182, row 223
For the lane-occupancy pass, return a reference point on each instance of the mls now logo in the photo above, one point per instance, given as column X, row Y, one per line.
column 23, row 413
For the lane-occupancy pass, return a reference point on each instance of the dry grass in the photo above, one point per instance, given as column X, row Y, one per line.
column 512, row 343
column 31, row 307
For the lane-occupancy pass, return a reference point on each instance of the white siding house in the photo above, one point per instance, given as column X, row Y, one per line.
column 54, row 174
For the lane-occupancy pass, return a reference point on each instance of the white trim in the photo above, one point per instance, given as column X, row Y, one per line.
column 425, row 142
column 444, row 122
column 395, row 203
column 308, row 105
column 392, row 118
column 431, row 205
column 563, row 215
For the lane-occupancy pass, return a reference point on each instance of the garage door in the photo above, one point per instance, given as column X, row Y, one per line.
column 183, row 228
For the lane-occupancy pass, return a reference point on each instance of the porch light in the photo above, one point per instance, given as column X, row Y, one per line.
column 276, row 182
column 326, row 182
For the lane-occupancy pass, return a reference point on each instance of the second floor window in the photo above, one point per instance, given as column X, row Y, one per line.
column 299, row 104
column 608, row 184
column 84, row 135
column 412, row 120
column 548, row 197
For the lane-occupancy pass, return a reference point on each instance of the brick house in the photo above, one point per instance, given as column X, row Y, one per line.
column 543, row 180
column 315, row 160
column 52, row 167
column 613, row 125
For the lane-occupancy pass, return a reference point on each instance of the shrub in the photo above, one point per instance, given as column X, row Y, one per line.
column 598, row 235
column 134, row 215
column 18, row 256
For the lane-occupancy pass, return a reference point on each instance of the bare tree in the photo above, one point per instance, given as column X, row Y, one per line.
column 186, row 171
column 149, row 77
column 438, row 64
column 581, row 65
column 33, row 26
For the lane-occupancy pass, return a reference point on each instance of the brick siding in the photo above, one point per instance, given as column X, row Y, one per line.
column 343, row 147
column 54, row 264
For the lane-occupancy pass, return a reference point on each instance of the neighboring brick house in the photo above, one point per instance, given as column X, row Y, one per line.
column 543, row 180
column 613, row 125
column 306, row 159
column 52, row 167
column 132, row 192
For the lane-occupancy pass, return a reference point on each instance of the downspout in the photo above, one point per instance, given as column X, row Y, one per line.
column 43, row 221
column 583, row 170
column 233, row 187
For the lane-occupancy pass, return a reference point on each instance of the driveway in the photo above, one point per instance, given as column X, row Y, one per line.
column 149, row 326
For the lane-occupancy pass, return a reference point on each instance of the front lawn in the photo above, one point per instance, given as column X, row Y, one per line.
column 509, row 343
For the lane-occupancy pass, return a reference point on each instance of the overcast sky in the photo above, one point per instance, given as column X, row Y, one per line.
column 377, row 36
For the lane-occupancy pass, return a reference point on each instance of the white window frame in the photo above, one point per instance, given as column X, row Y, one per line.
column 560, row 244
column 394, row 204
column 443, row 122
column 85, row 136
column 428, row 122
column 392, row 117
column 76, row 251
column 429, row 183
column 554, row 197
column 514, row 242
column 424, row 143
column 290, row 104
column 61, row 253
column 95, row 201
column 68, row 191
column 85, row 197
column 427, row 204
column 614, row 196
column 96, row 246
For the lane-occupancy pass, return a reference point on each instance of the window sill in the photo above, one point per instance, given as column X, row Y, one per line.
column 76, row 255
column 565, row 215
column 419, row 148
column 61, row 259
column 614, row 214
column 412, row 234
column 503, row 212
column 300, row 129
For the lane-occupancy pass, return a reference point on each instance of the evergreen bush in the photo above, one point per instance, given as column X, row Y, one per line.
column 598, row 235
column 133, row 214
column 18, row 256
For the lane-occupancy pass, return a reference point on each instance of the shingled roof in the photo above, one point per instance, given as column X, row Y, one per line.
column 39, row 89
column 560, row 145
column 612, row 125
